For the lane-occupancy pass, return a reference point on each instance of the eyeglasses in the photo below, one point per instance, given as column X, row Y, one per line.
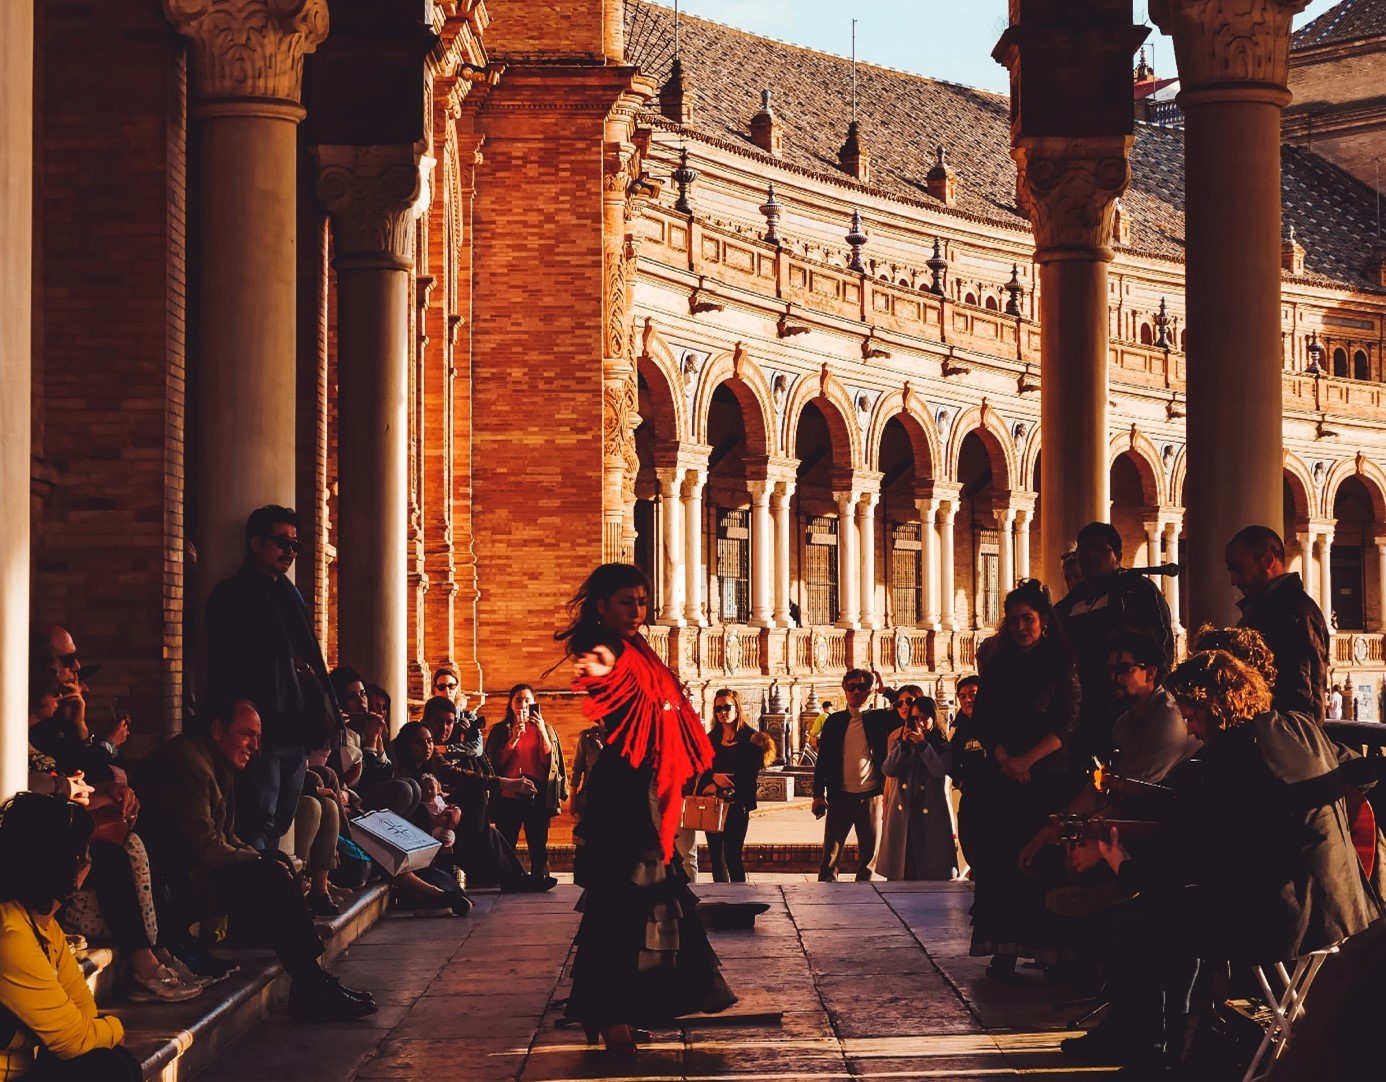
column 723, row 709
column 68, row 660
column 856, row 686
column 285, row 544
column 445, row 685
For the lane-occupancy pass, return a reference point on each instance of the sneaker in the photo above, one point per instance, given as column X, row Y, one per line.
column 163, row 987
column 186, row 975
column 202, row 961
column 312, row 999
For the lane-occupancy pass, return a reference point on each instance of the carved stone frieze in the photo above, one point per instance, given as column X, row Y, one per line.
column 1228, row 41
column 249, row 48
column 1069, row 188
column 373, row 194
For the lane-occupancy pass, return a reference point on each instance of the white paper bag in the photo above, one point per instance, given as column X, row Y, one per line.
column 394, row 843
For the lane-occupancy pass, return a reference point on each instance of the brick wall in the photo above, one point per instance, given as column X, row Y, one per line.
column 110, row 299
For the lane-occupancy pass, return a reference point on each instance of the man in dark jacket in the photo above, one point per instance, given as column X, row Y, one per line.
column 188, row 793
column 1275, row 604
column 849, row 776
column 261, row 647
column 1110, row 600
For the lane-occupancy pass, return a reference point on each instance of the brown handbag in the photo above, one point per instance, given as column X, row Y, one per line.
column 707, row 813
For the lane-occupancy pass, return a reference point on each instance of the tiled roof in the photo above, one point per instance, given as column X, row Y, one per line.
column 904, row 116
column 1352, row 20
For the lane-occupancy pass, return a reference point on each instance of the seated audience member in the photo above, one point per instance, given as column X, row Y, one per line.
column 467, row 774
column 1256, row 865
column 448, row 684
column 49, row 1025
column 412, row 750
column 100, row 759
column 187, row 786
column 380, row 786
column 442, row 818
column 317, row 826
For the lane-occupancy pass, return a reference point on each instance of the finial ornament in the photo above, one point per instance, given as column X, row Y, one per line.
column 771, row 209
column 856, row 238
column 938, row 270
column 683, row 176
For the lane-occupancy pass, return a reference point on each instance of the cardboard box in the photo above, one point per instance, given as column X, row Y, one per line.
column 394, row 843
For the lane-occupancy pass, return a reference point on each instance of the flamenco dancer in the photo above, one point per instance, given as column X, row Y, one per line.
column 643, row 958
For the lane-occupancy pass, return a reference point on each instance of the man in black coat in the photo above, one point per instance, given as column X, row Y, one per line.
column 849, row 776
column 262, row 648
column 1275, row 604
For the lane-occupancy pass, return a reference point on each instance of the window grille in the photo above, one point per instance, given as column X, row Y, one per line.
column 906, row 573
column 734, row 564
column 989, row 577
column 820, row 571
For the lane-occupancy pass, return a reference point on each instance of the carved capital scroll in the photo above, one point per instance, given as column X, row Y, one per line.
column 249, row 48
column 1219, row 42
column 373, row 194
column 1069, row 189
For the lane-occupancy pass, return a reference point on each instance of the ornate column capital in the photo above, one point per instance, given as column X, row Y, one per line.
column 249, row 48
column 373, row 194
column 1069, row 188
column 1229, row 49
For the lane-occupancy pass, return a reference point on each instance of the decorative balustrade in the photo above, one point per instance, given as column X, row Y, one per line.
column 1357, row 648
column 657, row 636
column 730, row 650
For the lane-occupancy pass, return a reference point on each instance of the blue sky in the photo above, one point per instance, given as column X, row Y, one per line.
column 945, row 39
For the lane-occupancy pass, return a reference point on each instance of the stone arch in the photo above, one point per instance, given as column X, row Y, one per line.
column 1373, row 479
column 995, row 437
column 747, row 382
column 658, row 365
column 919, row 426
column 1178, row 474
column 1301, row 486
column 1138, row 447
column 1029, row 459
column 832, row 398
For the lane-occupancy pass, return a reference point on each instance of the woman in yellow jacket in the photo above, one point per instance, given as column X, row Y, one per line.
column 49, row 1025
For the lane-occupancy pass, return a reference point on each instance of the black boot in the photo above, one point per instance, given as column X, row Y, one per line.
column 319, row 997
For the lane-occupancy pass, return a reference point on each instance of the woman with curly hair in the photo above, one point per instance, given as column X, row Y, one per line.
column 739, row 753
column 642, row 955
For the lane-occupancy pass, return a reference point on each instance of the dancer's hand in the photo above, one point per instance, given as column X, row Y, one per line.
column 599, row 661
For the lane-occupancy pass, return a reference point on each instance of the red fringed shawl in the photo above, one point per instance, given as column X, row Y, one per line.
column 657, row 726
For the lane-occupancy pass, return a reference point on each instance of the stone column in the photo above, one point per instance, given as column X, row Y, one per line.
column 372, row 195
column 947, row 513
column 866, row 530
column 762, row 554
column 16, row 285
column 1172, row 581
column 673, row 578
column 1070, row 187
column 1306, row 569
column 1152, row 543
column 1326, row 576
column 928, row 543
column 1233, row 58
column 1005, row 523
column 784, row 491
column 693, row 483
column 246, row 70
column 848, row 568
column 1381, row 583
column 1022, row 542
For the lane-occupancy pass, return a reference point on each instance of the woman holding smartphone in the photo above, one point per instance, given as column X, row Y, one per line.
column 917, row 832
column 739, row 753
column 525, row 745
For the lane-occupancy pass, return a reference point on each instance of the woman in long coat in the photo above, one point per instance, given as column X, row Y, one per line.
column 916, row 829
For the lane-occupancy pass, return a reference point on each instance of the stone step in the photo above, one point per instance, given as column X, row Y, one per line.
column 795, row 857
column 175, row 1041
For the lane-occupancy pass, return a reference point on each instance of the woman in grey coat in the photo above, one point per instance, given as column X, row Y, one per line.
column 917, row 832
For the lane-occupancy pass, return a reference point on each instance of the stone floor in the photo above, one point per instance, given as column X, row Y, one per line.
column 873, row 981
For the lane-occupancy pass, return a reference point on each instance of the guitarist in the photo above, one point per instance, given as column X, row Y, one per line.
column 1258, row 867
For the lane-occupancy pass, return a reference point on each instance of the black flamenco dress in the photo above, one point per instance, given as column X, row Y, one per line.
column 643, row 957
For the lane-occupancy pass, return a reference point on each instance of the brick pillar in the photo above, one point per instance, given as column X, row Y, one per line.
column 247, row 70
column 1233, row 61
column 16, row 270
column 373, row 195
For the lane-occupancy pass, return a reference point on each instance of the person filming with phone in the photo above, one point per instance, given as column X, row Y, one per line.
column 525, row 745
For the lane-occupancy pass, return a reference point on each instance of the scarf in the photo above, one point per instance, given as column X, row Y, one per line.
column 655, row 725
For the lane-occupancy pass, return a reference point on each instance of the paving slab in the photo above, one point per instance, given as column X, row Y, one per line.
column 871, row 980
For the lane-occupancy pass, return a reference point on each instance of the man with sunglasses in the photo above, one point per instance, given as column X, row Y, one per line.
column 848, row 777
column 262, row 648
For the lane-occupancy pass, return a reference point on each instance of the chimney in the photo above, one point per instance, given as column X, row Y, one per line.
column 941, row 183
column 765, row 129
column 855, row 160
column 1292, row 254
column 1376, row 266
column 673, row 96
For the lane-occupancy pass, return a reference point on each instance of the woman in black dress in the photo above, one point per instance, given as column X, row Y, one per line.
column 739, row 753
column 642, row 956
column 1026, row 708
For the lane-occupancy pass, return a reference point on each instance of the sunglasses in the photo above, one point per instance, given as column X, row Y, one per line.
column 903, row 702
column 68, row 660
column 856, row 686
column 285, row 544
column 1121, row 668
column 446, row 685
column 723, row 709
